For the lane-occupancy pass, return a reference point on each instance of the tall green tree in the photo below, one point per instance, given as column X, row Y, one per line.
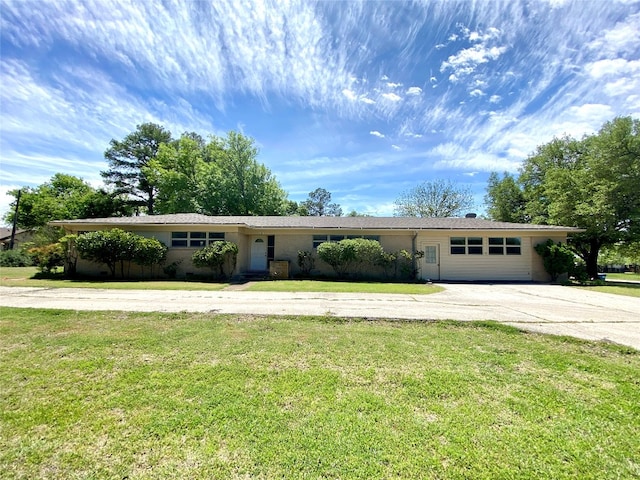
column 505, row 199
column 218, row 177
column 235, row 183
column 439, row 198
column 64, row 197
column 318, row 204
column 592, row 184
column 177, row 172
column 127, row 161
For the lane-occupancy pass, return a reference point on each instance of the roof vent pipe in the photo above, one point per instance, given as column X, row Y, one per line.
column 470, row 215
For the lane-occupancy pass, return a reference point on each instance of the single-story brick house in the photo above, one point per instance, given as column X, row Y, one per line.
column 457, row 249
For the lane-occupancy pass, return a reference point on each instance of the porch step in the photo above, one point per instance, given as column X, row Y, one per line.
column 253, row 275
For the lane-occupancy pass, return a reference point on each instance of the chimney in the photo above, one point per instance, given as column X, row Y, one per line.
column 470, row 215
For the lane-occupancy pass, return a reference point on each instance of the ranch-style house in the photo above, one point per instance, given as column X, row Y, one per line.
column 454, row 249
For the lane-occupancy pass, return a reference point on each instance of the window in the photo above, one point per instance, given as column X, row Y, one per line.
column 458, row 245
column 513, row 246
column 474, row 245
column 496, row 246
column 431, row 254
column 195, row 239
column 466, row 245
column 318, row 239
column 271, row 247
column 506, row 245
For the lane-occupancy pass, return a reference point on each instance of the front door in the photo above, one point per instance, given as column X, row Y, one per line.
column 431, row 262
column 258, row 254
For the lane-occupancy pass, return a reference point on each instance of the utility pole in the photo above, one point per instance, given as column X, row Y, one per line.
column 15, row 221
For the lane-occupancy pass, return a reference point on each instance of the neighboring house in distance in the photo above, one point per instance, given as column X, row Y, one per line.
column 22, row 236
column 456, row 249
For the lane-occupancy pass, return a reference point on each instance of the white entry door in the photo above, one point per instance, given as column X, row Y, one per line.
column 431, row 262
column 259, row 254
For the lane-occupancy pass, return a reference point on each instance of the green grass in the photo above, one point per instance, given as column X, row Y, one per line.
column 624, row 276
column 30, row 277
column 199, row 396
column 344, row 287
column 629, row 290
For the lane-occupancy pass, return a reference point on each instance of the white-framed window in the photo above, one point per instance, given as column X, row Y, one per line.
column 318, row 239
column 195, row 239
column 505, row 246
column 466, row 245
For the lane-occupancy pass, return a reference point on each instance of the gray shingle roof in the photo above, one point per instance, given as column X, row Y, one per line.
column 368, row 223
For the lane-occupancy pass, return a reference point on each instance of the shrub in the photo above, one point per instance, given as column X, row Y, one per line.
column 557, row 258
column 48, row 257
column 107, row 246
column 221, row 257
column 339, row 255
column 113, row 247
column 306, row 262
column 350, row 255
column 388, row 262
column 14, row 258
column 408, row 264
column 149, row 252
column 171, row 270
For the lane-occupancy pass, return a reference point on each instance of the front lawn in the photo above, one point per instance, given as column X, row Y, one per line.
column 624, row 276
column 203, row 396
column 31, row 277
column 627, row 289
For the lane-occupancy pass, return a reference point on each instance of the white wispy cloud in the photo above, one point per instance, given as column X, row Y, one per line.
column 451, row 155
column 624, row 37
column 375, row 133
column 414, row 91
column 467, row 60
column 616, row 66
column 391, row 97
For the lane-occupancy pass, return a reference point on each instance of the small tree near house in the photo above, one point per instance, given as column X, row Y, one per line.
column 220, row 257
column 116, row 247
column 557, row 258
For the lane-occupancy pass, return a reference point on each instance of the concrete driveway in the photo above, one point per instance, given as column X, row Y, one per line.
column 541, row 308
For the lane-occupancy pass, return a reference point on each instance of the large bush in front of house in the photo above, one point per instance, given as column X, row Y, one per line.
column 149, row 252
column 349, row 256
column 117, row 247
column 557, row 258
column 220, row 257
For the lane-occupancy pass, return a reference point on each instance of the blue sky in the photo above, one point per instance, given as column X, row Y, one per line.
column 364, row 99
